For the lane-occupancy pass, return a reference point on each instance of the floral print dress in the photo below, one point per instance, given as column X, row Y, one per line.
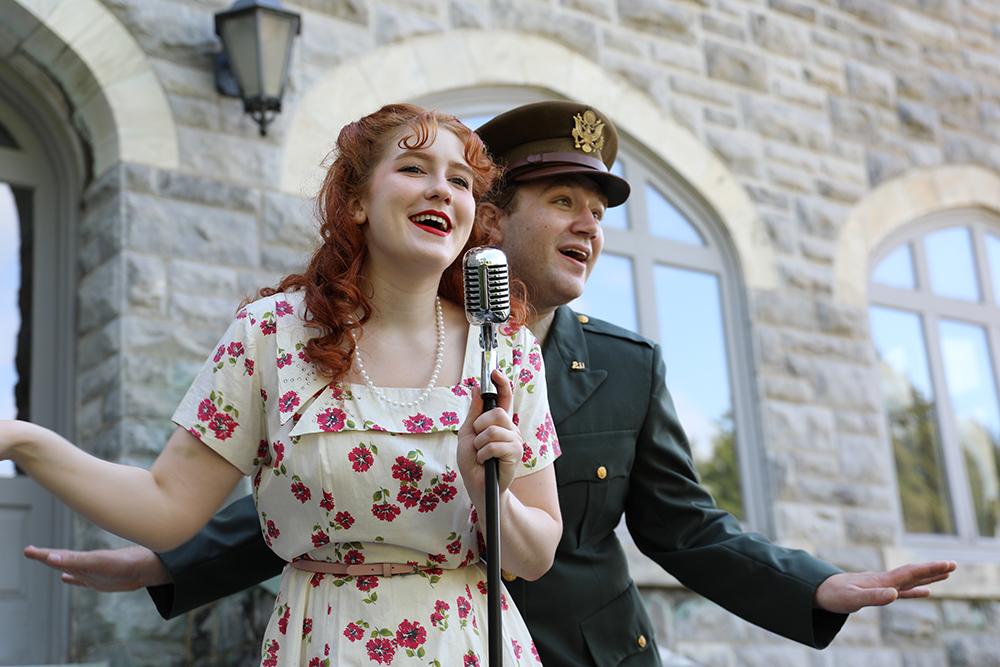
column 343, row 477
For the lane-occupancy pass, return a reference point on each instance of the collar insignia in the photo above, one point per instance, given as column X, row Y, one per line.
column 588, row 132
column 577, row 366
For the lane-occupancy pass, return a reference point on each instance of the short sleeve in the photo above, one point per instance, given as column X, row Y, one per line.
column 224, row 408
column 531, row 404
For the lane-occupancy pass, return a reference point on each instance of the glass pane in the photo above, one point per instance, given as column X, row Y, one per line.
column 615, row 217
column 276, row 35
column 896, row 269
column 993, row 257
column 909, row 405
column 666, row 221
column 6, row 138
column 950, row 263
column 689, row 312
column 10, row 314
column 972, row 390
column 610, row 292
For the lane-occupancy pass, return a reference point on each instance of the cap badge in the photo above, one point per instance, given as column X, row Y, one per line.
column 588, row 132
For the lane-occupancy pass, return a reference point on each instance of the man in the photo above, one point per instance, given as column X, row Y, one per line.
column 623, row 450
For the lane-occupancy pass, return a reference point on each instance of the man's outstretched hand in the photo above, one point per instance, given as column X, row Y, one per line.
column 107, row 570
column 848, row 592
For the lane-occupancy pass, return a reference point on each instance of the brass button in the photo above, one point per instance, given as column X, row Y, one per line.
column 582, row 319
column 602, row 472
column 641, row 641
column 507, row 576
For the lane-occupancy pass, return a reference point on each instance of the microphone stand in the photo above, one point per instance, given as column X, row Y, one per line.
column 488, row 345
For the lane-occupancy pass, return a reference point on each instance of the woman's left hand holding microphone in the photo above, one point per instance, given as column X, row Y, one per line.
column 487, row 435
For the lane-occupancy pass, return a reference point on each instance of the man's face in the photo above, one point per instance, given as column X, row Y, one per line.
column 553, row 237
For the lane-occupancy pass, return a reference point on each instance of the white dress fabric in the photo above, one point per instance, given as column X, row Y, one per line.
column 341, row 476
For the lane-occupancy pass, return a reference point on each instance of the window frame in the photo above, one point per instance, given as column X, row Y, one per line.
column 931, row 309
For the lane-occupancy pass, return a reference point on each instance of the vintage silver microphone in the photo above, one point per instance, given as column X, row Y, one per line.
column 487, row 305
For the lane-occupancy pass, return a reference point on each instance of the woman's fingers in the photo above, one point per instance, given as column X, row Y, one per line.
column 505, row 396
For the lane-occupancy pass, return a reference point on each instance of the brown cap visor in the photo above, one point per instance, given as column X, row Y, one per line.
column 615, row 188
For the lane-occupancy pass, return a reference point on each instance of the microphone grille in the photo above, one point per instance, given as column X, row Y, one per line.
column 487, row 286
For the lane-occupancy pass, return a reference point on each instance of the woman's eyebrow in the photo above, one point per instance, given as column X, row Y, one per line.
column 420, row 154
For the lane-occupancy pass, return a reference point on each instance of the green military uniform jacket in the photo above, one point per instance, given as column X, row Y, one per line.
column 623, row 452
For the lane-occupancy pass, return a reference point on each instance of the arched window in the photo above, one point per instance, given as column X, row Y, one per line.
column 935, row 321
column 668, row 272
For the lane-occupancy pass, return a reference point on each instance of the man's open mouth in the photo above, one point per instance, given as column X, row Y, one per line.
column 579, row 254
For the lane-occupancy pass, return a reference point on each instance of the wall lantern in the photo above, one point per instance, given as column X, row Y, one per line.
column 257, row 38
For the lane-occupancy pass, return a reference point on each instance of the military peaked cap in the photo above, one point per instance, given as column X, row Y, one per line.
column 556, row 138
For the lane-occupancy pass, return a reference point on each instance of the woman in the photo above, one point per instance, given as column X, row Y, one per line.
column 355, row 472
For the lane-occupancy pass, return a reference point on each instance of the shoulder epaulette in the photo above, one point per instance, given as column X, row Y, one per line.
column 596, row 326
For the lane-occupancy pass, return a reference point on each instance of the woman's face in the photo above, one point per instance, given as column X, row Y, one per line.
column 418, row 208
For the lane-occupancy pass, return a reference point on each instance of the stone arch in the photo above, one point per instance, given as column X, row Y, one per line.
column 896, row 203
column 105, row 76
column 469, row 58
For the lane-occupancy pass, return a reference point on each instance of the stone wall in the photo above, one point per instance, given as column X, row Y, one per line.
column 809, row 105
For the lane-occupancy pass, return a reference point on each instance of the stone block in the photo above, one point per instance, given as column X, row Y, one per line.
column 781, row 230
column 918, row 120
column 170, row 30
column 289, row 221
column 720, row 118
column 698, row 619
column 973, row 650
column 779, row 35
column 145, row 283
column 855, row 120
column 879, row 14
column 214, row 311
column 572, row 30
column 871, row 84
column 868, row 656
column 786, row 655
column 783, row 388
column 786, row 309
column 792, row 124
column 628, row 43
column 679, row 57
column 701, row 654
column 800, row 10
column 858, row 423
column 884, row 165
column 852, row 558
column 934, row 657
column 908, row 621
column 804, row 275
column 735, row 65
column 818, row 250
column 100, row 295
column 804, row 94
column 195, row 112
column 864, row 459
column 820, row 217
column 739, row 150
column 839, row 319
column 602, row 9
column 282, row 260
column 731, row 30
column 199, row 278
column 328, row 41
column 660, row 16
column 966, row 615
column 243, row 159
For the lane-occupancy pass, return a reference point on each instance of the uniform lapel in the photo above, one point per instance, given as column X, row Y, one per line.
column 565, row 351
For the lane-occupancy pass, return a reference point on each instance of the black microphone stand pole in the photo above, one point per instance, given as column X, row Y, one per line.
column 488, row 344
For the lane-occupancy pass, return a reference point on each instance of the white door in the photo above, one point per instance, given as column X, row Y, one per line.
column 32, row 600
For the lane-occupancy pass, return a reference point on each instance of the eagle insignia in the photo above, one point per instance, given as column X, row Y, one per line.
column 588, row 132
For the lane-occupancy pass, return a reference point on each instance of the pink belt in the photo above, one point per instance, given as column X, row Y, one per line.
column 367, row 569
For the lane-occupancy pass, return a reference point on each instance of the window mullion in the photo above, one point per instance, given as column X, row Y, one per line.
column 951, row 448
column 984, row 272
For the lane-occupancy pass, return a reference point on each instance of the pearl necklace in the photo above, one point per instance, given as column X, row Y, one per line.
column 438, row 363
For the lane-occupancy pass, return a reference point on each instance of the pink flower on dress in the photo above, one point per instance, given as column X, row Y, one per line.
column 282, row 308
column 517, row 648
column 307, row 626
column 279, row 453
column 361, row 458
column 222, row 425
column 410, row 634
column 314, row 662
column 248, row 368
column 526, row 453
column 441, row 605
column 406, row 470
column 242, row 314
column 408, row 495
column 327, row 502
column 331, row 419
column 272, row 529
column 206, row 409
column 418, row 423
column 428, row 502
column 300, row 490
column 455, row 547
column 446, row 492
column 353, row 632
column 464, row 607
column 288, row 401
column 515, row 357
column 437, row 558
column 283, row 621
column 534, row 652
column 268, row 327
column 525, row 376
column 320, row 538
column 218, row 353
column 470, row 659
column 284, row 360
column 448, row 419
column 385, row 511
column 354, row 557
column 449, row 476
column 366, row 583
column 380, row 650
column 235, row 349
column 541, row 433
column 344, row 520
column 535, row 360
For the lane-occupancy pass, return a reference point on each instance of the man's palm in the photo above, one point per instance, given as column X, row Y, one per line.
column 109, row 571
column 850, row 591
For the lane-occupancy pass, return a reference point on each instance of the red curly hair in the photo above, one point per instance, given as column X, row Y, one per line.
column 332, row 279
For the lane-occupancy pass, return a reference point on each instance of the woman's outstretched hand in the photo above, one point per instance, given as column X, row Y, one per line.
column 488, row 435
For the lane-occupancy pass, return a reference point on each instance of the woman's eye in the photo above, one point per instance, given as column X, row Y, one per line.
column 460, row 182
column 413, row 169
